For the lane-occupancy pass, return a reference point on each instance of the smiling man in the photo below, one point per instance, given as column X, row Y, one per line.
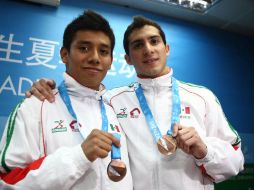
column 65, row 145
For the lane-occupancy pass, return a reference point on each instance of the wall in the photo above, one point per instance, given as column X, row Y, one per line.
column 219, row 60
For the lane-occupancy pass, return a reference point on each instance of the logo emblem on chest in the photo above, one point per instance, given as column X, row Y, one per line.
column 185, row 113
column 122, row 114
column 59, row 127
column 135, row 113
column 74, row 126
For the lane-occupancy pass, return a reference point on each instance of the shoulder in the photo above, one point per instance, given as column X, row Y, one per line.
column 32, row 105
column 118, row 91
column 195, row 89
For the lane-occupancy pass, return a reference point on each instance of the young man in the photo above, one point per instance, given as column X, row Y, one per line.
column 159, row 107
column 62, row 145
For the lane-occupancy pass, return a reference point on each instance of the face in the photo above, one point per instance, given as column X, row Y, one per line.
column 89, row 58
column 147, row 52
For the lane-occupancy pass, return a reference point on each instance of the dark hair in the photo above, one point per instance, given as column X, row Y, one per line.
column 137, row 23
column 89, row 20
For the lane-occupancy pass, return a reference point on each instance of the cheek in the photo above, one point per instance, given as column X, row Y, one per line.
column 106, row 66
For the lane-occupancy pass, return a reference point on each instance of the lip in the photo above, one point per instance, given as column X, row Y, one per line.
column 92, row 69
column 150, row 60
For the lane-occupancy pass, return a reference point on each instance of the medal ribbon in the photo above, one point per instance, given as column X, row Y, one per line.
column 67, row 101
column 175, row 115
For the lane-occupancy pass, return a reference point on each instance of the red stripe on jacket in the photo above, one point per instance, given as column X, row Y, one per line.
column 18, row 174
column 203, row 170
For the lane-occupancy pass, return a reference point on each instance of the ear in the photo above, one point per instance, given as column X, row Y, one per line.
column 167, row 49
column 64, row 55
column 127, row 59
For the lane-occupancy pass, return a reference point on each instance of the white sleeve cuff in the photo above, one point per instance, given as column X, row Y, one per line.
column 209, row 156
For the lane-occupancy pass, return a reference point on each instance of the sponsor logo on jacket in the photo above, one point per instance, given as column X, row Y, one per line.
column 135, row 113
column 122, row 114
column 59, row 127
column 74, row 126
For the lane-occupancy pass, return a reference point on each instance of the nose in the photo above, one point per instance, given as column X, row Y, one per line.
column 148, row 48
column 94, row 57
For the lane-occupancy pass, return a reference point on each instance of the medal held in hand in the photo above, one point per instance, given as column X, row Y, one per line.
column 167, row 143
column 116, row 169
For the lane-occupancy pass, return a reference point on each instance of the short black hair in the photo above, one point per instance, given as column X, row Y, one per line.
column 89, row 20
column 137, row 23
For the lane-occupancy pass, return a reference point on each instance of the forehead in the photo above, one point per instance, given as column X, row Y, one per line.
column 143, row 33
column 93, row 37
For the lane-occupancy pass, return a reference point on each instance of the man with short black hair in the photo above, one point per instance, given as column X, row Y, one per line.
column 65, row 145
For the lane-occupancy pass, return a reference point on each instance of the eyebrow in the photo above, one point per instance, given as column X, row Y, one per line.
column 140, row 40
column 83, row 42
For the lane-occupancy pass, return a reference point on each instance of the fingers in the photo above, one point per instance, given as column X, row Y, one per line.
column 51, row 83
column 42, row 89
column 28, row 94
column 98, row 144
column 176, row 128
column 185, row 139
column 113, row 139
column 107, row 138
column 190, row 142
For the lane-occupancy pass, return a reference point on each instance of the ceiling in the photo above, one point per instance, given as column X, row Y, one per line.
column 231, row 15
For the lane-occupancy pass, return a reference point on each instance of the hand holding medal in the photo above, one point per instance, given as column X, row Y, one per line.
column 116, row 169
column 170, row 141
column 167, row 143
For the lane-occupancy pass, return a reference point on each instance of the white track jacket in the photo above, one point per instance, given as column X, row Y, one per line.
column 200, row 109
column 41, row 147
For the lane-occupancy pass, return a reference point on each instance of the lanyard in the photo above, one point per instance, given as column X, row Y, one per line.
column 176, row 110
column 67, row 101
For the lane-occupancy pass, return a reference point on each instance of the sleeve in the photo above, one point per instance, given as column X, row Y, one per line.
column 224, row 157
column 24, row 164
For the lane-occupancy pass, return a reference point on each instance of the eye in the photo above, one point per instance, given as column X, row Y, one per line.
column 104, row 52
column 137, row 45
column 155, row 41
column 83, row 49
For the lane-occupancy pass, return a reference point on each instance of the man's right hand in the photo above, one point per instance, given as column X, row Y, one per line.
column 42, row 89
column 98, row 144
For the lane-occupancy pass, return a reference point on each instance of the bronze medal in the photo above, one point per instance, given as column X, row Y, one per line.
column 116, row 170
column 167, row 145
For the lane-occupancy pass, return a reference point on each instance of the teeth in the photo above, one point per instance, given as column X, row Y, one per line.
column 150, row 61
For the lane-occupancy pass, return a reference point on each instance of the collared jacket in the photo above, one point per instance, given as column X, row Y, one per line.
column 199, row 109
column 41, row 144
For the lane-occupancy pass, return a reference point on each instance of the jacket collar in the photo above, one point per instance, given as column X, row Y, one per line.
column 162, row 81
column 76, row 89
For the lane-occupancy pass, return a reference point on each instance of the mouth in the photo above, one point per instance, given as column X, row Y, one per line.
column 92, row 69
column 150, row 61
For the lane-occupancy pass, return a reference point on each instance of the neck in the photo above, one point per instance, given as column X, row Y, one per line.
column 165, row 72
column 84, row 83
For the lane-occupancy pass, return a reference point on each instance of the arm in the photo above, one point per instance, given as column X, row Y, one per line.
column 224, row 156
column 24, row 163
column 218, row 154
column 42, row 89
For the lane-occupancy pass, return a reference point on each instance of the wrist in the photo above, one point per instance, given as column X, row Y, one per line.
column 201, row 153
